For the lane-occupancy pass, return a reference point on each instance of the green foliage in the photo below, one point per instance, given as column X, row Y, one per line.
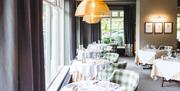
column 112, row 39
column 105, row 26
column 106, row 40
column 178, row 29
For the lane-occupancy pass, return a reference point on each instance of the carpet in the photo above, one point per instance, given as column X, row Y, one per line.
column 146, row 83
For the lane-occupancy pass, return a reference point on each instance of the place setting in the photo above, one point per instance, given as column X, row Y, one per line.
column 93, row 85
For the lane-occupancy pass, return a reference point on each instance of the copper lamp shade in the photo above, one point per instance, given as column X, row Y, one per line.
column 81, row 9
column 91, row 19
column 97, row 8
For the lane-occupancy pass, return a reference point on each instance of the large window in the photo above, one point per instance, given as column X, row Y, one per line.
column 53, row 20
column 112, row 28
column 178, row 27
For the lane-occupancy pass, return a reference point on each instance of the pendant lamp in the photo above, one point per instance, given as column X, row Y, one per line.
column 96, row 7
column 81, row 9
column 91, row 19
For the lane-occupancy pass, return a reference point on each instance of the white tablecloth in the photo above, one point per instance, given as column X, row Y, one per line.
column 168, row 69
column 87, row 70
column 85, row 53
column 147, row 56
column 96, row 48
column 93, row 85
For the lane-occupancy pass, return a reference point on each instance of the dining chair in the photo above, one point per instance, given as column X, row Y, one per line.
column 112, row 57
column 107, row 72
column 126, row 78
column 161, row 47
column 168, row 50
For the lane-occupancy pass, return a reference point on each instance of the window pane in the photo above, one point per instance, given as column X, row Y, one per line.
column 178, row 27
column 105, row 27
column 46, row 34
column 178, row 23
column 53, row 43
column 121, row 13
column 115, row 13
column 117, row 23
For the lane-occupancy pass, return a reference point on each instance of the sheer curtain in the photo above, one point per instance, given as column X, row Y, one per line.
column 21, row 46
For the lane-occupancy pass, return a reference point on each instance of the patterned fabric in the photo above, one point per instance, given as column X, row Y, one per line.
column 126, row 78
column 119, row 65
column 107, row 72
column 113, row 57
column 129, row 49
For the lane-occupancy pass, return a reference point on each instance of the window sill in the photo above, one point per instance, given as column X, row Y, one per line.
column 59, row 79
column 121, row 47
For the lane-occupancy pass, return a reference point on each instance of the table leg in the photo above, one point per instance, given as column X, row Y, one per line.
column 162, row 82
column 170, row 81
column 147, row 66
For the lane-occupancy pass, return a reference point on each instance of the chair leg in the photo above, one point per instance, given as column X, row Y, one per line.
column 170, row 81
column 162, row 82
column 136, row 88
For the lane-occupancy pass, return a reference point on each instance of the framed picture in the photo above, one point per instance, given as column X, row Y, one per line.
column 148, row 27
column 168, row 27
column 158, row 27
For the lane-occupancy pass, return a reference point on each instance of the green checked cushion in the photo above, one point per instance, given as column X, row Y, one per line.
column 107, row 72
column 113, row 57
column 126, row 78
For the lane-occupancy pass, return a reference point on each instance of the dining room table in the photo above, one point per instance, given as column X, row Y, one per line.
column 167, row 69
column 147, row 56
column 93, row 85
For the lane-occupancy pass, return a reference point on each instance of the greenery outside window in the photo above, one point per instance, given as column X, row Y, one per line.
column 112, row 28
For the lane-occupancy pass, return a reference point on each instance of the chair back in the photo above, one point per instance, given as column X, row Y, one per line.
column 108, row 71
column 119, row 65
column 161, row 47
column 113, row 57
column 126, row 78
column 168, row 48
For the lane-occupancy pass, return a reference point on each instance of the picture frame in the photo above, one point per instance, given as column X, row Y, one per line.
column 158, row 28
column 148, row 27
column 168, row 27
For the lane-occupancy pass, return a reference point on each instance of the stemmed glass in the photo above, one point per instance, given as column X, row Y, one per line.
column 178, row 55
column 94, row 55
column 98, row 55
